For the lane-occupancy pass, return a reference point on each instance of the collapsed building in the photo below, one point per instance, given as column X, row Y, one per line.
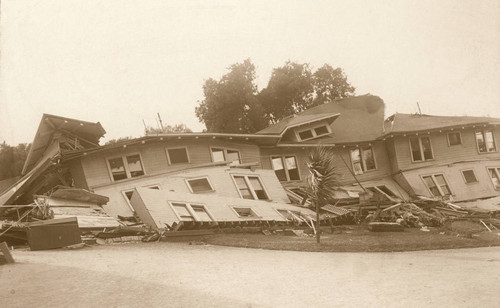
column 205, row 179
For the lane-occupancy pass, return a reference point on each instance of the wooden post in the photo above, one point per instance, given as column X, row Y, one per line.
column 317, row 222
column 6, row 252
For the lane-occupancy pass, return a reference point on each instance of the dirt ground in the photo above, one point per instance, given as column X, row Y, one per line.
column 181, row 275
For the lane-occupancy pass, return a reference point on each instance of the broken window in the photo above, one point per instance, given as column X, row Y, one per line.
column 485, row 141
column 177, row 156
column 250, row 187
column 245, row 212
column 200, row 185
column 437, row 185
column 421, row 149
column 222, row 154
column 454, row 138
column 469, row 176
column 495, row 176
column 125, row 167
column 383, row 190
column 313, row 132
column 362, row 159
column 286, row 168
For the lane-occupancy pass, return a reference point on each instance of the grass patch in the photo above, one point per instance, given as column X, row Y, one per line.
column 358, row 239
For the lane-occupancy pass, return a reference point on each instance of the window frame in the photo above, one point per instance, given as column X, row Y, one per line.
column 483, row 133
column 433, row 177
column 189, row 208
column 125, row 191
column 199, row 178
column 497, row 172
column 125, row 166
column 313, row 132
column 250, row 187
column 362, row 161
column 176, row 148
column 421, row 149
column 448, row 138
column 224, row 149
column 287, row 174
column 255, row 213
column 377, row 188
column 465, row 179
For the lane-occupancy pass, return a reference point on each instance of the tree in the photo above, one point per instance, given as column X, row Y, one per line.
column 322, row 180
column 330, row 84
column 12, row 159
column 289, row 91
column 168, row 129
column 293, row 88
column 230, row 104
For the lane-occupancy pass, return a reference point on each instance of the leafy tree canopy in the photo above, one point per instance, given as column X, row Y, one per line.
column 234, row 105
column 168, row 129
column 12, row 159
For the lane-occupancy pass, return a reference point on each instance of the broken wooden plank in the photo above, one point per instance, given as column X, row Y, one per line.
column 485, row 225
column 4, row 249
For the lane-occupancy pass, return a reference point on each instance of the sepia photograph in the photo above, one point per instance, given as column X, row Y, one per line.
column 236, row 153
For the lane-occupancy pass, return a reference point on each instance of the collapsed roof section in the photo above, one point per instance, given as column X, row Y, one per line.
column 401, row 123
column 70, row 134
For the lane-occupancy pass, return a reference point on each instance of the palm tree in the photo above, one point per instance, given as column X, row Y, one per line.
column 322, row 180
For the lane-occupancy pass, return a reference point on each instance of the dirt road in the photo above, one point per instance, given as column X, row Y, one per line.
column 181, row 275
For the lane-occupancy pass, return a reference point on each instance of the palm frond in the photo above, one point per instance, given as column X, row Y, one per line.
column 323, row 179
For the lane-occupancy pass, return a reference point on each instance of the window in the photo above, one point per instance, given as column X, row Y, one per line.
column 437, row 185
column 199, row 185
column 245, row 212
column 125, row 167
column 420, row 148
column 191, row 212
column 177, row 156
column 285, row 168
column 495, row 176
column 128, row 194
column 454, row 138
column 250, row 187
column 485, row 141
column 362, row 160
column 469, row 176
column 221, row 154
column 383, row 190
column 182, row 211
column 313, row 132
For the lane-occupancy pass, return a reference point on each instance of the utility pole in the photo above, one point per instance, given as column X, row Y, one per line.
column 419, row 111
column 161, row 123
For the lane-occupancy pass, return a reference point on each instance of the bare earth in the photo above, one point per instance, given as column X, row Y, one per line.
column 182, row 275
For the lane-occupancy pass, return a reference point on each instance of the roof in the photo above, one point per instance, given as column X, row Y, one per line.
column 87, row 131
column 361, row 119
column 294, row 121
column 405, row 123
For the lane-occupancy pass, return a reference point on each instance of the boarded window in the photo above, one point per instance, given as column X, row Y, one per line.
column 183, row 212
column 454, row 138
column 245, row 212
column 178, row 156
column 200, row 185
column 469, row 176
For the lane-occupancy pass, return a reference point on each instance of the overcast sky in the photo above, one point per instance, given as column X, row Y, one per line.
column 120, row 62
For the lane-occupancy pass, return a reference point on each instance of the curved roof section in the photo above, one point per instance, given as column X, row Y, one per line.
column 361, row 119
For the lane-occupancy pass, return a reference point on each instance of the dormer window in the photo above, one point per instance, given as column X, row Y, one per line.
column 311, row 133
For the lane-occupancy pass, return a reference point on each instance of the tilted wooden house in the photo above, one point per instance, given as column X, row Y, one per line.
column 214, row 177
column 439, row 156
